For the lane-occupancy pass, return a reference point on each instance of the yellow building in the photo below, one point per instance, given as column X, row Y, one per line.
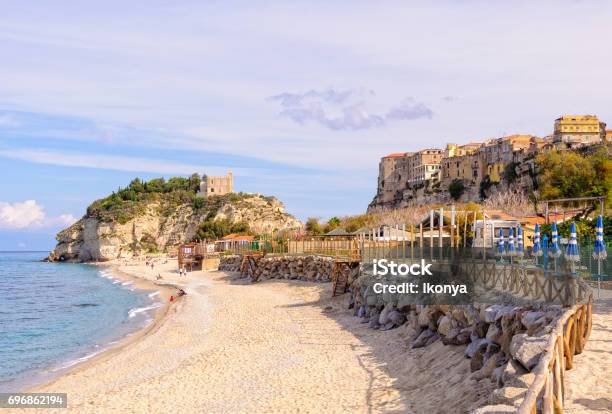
column 457, row 163
column 579, row 130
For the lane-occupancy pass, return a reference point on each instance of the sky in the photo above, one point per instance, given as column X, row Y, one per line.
column 299, row 99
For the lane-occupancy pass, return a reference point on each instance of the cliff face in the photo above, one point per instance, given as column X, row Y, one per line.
column 157, row 227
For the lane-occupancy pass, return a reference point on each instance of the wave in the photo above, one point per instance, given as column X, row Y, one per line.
column 152, row 295
column 127, row 283
column 135, row 311
column 81, row 359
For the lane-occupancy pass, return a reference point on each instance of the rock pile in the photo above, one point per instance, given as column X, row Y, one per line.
column 230, row 263
column 308, row 268
column 504, row 342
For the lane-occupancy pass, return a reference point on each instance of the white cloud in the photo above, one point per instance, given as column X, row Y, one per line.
column 21, row 215
column 316, row 106
column 113, row 162
column 30, row 214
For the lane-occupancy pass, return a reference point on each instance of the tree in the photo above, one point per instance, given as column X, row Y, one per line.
column 456, row 189
column 313, row 226
column 136, row 185
column 333, row 222
column 194, row 182
column 569, row 174
column 198, row 203
column 217, row 229
column 155, row 186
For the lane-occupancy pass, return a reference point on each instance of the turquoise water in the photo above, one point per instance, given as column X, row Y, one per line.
column 54, row 315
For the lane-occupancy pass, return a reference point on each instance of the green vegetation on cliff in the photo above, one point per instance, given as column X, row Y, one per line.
column 127, row 203
column 569, row 174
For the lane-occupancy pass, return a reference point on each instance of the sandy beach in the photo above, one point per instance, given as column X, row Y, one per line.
column 275, row 346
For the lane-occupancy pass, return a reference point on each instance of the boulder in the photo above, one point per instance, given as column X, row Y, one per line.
column 489, row 314
column 508, row 396
column 534, row 321
column 521, row 381
column 480, row 329
column 477, row 360
column 425, row 338
column 424, row 317
column 459, row 315
column 474, row 346
column 528, row 349
column 494, row 334
column 397, row 317
column 445, row 324
column 383, row 319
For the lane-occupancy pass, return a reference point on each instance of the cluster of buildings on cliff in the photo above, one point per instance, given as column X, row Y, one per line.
column 474, row 162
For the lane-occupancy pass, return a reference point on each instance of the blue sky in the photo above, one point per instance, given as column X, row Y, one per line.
column 299, row 99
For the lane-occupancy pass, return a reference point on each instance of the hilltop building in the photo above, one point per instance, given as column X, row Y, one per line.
column 216, row 185
column 577, row 130
column 424, row 176
column 393, row 175
column 424, row 165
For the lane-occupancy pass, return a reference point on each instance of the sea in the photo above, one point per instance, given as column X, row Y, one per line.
column 56, row 315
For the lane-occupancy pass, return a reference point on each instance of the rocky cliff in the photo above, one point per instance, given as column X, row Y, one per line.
column 117, row 228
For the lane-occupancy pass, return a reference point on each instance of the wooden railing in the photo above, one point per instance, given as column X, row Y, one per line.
column 568, row 338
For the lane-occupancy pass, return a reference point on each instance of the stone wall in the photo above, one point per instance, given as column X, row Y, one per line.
column 503, row 342
column 308, row 268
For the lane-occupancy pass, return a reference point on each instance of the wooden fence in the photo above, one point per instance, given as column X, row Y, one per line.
column 547, row 392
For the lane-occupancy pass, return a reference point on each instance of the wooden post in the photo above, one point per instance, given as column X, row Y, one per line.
column 440, row 227
column 465, row 218
column 452, row 228
column 397, row 241
column 411, row 241
column 484, row 233
column 431, row 229
column 421, row 236
column 403, row 240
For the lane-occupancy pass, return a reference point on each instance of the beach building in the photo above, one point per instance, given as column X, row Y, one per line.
column 233, row 241
column 216, row 185
column 487, row 231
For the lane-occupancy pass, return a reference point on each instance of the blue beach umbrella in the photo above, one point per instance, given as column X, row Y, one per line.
column 599, row 252
column 554, row 250
column 571, row 252
column 511, row 250
column 519, row 241
column 537, row 244
column 500, row 243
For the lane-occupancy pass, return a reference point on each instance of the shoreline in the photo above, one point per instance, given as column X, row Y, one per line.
column 229, row 334
column 117, row 346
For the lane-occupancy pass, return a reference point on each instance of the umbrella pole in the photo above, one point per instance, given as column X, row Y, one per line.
column 598, row 278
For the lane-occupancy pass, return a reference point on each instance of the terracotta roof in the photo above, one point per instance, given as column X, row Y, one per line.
column 499, row 215
column 396, row 155
column 552, row 216
column 236, row 237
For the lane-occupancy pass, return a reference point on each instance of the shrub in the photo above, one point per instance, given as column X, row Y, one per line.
column 456, row 189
